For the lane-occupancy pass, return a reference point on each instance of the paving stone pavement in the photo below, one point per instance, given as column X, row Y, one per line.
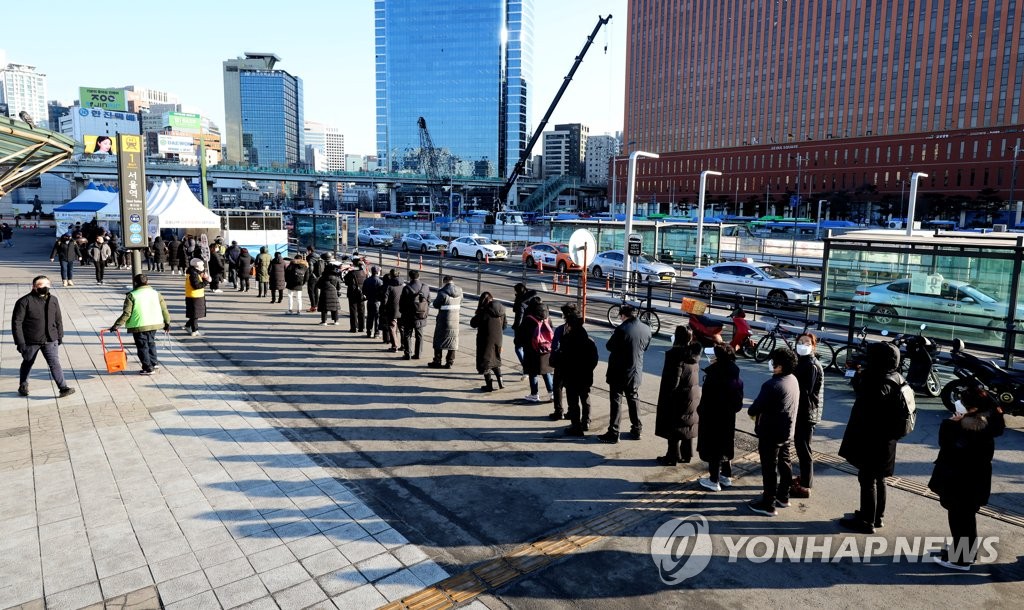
column 98, row 503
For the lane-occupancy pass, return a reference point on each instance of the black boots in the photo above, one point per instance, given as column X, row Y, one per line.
column 497, row 377
column 488, row 383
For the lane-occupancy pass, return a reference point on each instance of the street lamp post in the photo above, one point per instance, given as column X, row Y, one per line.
column 903, row 183
column 1013, row 173
column 700, row 212
column 630, row 193
column 913, row 200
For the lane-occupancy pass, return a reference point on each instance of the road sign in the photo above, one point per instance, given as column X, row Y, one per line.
column 634, row 244
column 131, row 173
column 794, row 201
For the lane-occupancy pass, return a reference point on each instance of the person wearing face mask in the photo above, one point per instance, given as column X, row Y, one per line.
column 962, row 477
column 196, row 282
column 774, row 411
column 811, row 377
column 37, row 326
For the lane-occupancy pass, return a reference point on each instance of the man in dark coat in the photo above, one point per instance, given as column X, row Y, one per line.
column 720, row 400
column 354, row 280
column 448, row 304
column 962, row 477
column 626, row 349
column 412, row 318
column 373, row 290
column 489, row 322
column 244, row 269
column 232, row 254
column 316, row 269
column 557, row 387
column 868, row 442
column 389, row 311
column 38, row 326
column 159, row 253
column 218, row 269
column 576, row 360
column 329, row 288
column 295, row 275
column 523, row 297
column 277, row 280
column 173, row 249
column 678, row 397
column 775, row 410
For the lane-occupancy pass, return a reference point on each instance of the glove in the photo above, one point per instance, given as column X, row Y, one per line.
column 167, row 327
column 113, row 329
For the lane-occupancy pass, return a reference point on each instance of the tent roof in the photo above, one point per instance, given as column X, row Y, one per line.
column 181, row 210
column 81, row 206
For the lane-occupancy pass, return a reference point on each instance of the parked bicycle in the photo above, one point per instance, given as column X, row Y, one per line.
column 645, row 313
column 762, row 350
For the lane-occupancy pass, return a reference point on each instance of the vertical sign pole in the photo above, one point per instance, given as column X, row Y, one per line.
column 131, row 175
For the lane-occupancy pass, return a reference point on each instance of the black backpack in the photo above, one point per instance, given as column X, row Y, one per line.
column 416, row 305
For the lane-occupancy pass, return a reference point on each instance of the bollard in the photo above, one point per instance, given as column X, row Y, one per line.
column 607, row 282
column 567, row 284
column 487, row 259
column 554, row 283
column 421, row 262
column 540, row 266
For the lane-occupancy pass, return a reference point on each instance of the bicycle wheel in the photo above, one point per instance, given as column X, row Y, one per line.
column 764, row 348
column 825, row 354
column 843, row 355
column 650, row 318
column 613, row 315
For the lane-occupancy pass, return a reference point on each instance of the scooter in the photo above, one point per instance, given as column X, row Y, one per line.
column 742, row 339
column 1006, row 386
column 918, row 362
column 708, row 332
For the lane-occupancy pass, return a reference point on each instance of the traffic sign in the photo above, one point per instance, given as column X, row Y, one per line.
column 634, row 244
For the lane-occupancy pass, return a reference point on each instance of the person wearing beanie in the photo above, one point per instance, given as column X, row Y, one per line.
column 676, row 418
column 196, row 281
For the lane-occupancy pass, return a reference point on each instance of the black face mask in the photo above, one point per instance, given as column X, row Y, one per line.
column 42, row 291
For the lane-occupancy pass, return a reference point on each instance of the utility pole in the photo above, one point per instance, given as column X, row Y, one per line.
column 1013, row 173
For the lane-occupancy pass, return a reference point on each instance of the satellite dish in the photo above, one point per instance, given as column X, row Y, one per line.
column 582, row 247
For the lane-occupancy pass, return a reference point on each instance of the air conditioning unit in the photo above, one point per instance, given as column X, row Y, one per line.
column 999, row 228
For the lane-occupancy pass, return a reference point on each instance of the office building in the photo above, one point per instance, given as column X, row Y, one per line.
column 565, row 147
column 22, row 88
column 466, row 67
column 823, row 97
column 141, row 98
column 600, row 152
column 329, row 143
column 263, row 113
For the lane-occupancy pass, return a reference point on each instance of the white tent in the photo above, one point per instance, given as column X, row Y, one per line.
column 180, row 209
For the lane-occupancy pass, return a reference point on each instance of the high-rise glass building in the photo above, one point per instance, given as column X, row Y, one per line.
column 465, row 66
column 263, row 113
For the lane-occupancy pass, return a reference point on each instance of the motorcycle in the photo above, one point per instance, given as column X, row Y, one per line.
column 917, row 362
column 1006, row 386
column 708, row 331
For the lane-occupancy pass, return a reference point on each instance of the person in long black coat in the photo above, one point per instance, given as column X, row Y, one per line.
column 196, row 281
column 390, row 313
column 330, row 286
column 218, row 269
column 721, row 399
column 489, row 322
column 868, row 442
column 159, row 250
column 244, row 270
column 962, row 477
column 626, row 349
column 676, row 418
column 535, row 364
column 577, row 359
column 277, row 281
column 173, row 246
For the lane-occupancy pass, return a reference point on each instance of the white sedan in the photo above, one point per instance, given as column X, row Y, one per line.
column 611, row 262
column 478, row 247
column 374, row 237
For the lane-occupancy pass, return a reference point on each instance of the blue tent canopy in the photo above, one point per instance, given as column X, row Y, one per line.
column 81, row 206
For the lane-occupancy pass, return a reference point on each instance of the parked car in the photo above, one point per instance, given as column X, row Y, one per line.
column 478, row 247
column 611, row 262
column 550, row 254
column 374, row 237
column 422, row 242
column 756, row 280
column 952, row 302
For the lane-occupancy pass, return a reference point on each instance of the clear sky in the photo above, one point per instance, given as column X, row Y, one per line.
column 178, row 48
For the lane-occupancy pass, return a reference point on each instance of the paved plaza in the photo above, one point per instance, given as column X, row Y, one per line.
column 275, row 463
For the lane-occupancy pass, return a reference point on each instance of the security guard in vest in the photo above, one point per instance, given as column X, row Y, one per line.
column 144, row 313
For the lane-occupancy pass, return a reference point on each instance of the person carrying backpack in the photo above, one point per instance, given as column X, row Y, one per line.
column 869, row 443
column 413, row 309
column 448, row 303
column 534, row 335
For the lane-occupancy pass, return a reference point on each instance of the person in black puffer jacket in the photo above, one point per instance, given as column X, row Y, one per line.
column 576, row 360
column 678, row 397
column 330, row 285
column 277, row 280
column 721, row 399
column 775, row 410
column 811, row 377
column 489, row 322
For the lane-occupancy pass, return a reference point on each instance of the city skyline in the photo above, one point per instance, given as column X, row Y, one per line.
column 340, row 93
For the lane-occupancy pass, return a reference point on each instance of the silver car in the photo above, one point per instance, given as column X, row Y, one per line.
column 949, row 303
column 612, row 262
column 374, row 237
column 422, row 242
column 756, row 280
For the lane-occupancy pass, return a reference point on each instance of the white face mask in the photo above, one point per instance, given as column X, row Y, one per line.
column 960, row 408
column 803, row 350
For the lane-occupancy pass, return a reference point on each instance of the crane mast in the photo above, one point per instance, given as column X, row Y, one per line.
column 429, row 163
column 521, row 164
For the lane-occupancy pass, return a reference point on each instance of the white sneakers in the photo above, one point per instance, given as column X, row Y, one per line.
column 531, row 398
column 710, row 485
column 551, row 397
column 724, row 481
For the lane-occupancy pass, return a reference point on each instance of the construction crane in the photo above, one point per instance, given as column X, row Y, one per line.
column 525, row 156
column 429, row 163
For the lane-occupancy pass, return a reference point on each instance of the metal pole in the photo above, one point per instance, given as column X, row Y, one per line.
column 700, row 213
column 630, row 193
column 913, row 200
column 1013, row 174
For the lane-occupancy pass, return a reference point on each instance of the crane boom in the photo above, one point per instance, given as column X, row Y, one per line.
column 429, row 162
column 521, row 164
